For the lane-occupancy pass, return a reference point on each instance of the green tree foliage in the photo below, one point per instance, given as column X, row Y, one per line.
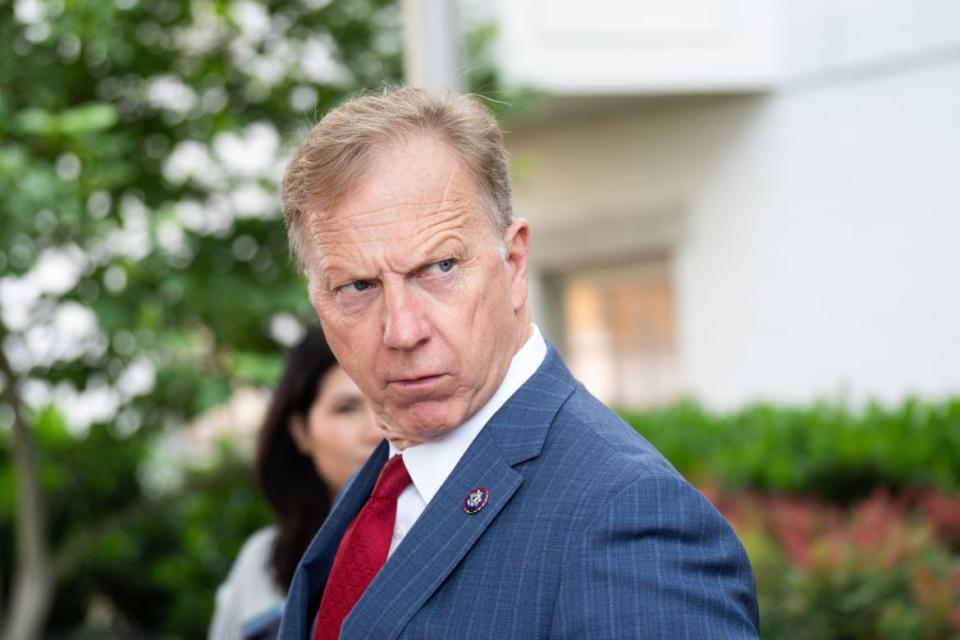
column 144, row 275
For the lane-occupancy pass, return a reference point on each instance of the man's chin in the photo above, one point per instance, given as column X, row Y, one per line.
column 418, row 423
column 402, row 442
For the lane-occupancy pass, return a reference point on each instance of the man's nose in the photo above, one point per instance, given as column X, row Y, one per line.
column 405, row 324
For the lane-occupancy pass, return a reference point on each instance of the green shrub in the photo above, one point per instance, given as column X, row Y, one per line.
column 826, row 450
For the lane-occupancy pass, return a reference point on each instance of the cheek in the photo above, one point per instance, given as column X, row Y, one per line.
column 490, row 308
column 350, row 442
column 464, row 305
column 319, row 431
column 329, row 438
column 476, row 309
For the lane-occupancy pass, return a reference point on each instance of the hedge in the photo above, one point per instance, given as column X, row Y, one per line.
column 827, row 450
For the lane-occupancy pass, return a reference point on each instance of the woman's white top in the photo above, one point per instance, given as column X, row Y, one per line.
column 249, row 590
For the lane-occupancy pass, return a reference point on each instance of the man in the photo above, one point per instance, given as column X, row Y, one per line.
column 514, row 504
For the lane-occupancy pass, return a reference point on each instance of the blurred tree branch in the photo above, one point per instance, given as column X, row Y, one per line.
column 33, row 576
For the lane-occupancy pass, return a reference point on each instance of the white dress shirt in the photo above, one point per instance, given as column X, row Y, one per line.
column 431, row 462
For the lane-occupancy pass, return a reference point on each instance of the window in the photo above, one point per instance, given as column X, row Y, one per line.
column 619, row 332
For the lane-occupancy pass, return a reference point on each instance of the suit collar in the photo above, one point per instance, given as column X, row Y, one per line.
column 445, row 532
column 438, row 541
column 521, row 426
column 432, row 462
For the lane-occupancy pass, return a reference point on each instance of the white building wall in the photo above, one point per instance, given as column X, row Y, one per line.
column 823, row 257
column 638, row 46
column 813, row 232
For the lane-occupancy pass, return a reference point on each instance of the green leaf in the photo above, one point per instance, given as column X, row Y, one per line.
column 91, row 117
column 257, row 368
column 35, row 122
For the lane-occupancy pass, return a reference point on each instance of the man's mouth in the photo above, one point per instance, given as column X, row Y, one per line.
column 416, row 384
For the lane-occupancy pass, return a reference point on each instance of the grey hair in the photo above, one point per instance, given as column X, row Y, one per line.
column 332, row 158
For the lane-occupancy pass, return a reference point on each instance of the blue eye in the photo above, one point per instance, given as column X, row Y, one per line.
column 357, row 286
column 445, row 265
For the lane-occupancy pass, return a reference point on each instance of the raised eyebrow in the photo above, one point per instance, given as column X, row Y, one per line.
column 431, row 262
column 334, row 277
column 446, row 249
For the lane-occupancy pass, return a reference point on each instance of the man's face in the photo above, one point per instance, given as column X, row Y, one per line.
column 422, row 303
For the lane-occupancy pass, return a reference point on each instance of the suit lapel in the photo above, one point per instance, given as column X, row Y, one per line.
column 444, row 533
column 311, row 576
column 437, row 542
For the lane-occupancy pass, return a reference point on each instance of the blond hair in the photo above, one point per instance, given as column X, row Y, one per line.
column 332, row 158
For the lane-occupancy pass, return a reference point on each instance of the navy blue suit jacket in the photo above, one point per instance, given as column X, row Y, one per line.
column 588, row 533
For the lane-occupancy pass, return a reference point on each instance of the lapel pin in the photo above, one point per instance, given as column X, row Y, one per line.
column 476, row 500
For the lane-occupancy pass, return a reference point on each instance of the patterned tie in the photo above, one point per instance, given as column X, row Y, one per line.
column 363, row 550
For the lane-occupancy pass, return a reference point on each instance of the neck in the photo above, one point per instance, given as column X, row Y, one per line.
column 524, row 329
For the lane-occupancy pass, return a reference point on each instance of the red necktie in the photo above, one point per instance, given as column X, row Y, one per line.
column 363, row 550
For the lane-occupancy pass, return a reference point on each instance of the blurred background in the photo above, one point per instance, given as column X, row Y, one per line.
column 746, row 236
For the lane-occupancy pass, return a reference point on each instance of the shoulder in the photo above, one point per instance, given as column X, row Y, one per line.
column 623, row 474
column 249, row 589
column 258, row 545
column 593, row 465
column 252, row 565
column 639, row 524
column 601, row 439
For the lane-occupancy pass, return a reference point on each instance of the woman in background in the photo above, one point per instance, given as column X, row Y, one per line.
column 318, row 430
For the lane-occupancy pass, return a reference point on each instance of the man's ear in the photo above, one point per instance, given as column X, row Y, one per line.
column 517, row 243
column 300, row 432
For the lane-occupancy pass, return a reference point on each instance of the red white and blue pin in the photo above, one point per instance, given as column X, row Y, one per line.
column 476, row 500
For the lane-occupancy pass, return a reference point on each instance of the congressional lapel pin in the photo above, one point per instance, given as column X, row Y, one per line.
column 476, row 500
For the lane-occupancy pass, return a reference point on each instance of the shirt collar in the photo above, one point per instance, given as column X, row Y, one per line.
column 430, row 462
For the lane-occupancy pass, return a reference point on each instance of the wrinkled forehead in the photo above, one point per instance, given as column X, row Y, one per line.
column 408, row 189
column 412, row 169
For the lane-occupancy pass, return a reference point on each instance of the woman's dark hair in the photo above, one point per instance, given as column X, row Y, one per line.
column 299, row 497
